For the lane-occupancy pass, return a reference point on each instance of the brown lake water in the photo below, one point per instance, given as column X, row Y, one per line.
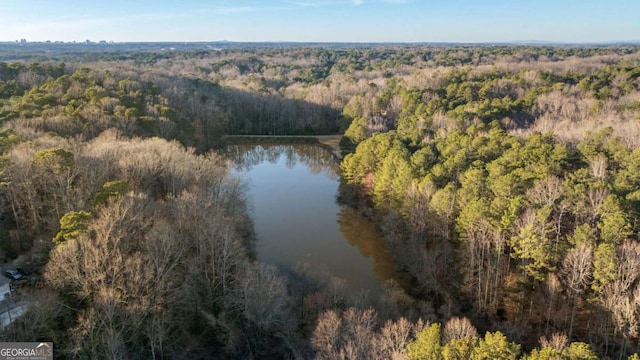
column 292, row 194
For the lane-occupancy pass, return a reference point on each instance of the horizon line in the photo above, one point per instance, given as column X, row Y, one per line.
column 102, row 41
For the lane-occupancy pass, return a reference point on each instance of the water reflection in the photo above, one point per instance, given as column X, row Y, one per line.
column 314, row 157
column 293, row 196
column 361, row 233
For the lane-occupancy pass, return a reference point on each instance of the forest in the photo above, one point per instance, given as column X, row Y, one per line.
column 505, row 179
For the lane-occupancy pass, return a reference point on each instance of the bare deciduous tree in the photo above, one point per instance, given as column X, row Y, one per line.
column 458, row 328
column 576, row 270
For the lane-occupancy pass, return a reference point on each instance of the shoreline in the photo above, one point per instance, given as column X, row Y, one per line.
column 329, row 142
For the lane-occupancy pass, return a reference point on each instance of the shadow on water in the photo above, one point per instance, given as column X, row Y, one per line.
column 293, row 189
column 362, row 234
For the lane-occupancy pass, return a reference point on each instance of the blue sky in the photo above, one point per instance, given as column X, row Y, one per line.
column 321, row 20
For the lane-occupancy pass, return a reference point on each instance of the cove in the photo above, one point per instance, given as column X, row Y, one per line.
column 292, row 191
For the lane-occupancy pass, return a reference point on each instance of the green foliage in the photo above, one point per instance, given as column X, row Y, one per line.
column 530, row 197
column 543, row 354
column 472, row 216
column 575, row 351
column 613, row 225
column 459, row 349
column 473, row 184
column 444, row 157
column 627, row 180
column 354, row 135
column 534, row 250
column 7, row 138
column 353, row 109
column 494, row 346
column 427, row 346
column 72, row 225
column 422, row 160
column 9, row 88
column 604, row 266
column 510, row 211
column 583, row 235
column 413, row 120
column 368, row 158
column 56, row 160
column 443, row 201
column 392, row 178
column 579, row 351
column 111, row 190
column 576, row 189
column 84, row 103
column 593, row 143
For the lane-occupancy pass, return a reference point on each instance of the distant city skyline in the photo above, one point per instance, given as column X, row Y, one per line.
column 466, row 21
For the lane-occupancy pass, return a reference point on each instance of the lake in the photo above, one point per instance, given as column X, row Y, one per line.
column 292, row 195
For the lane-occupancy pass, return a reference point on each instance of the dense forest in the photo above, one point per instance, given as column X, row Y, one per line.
column 506, row 181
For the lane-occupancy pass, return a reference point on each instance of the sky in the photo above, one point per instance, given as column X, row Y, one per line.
column 321, row 20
